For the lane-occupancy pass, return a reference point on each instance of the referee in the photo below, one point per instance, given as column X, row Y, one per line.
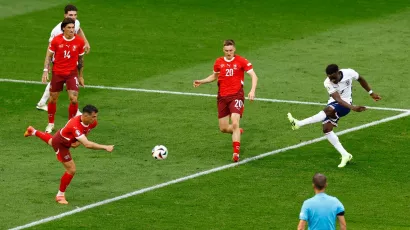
column 320, row 211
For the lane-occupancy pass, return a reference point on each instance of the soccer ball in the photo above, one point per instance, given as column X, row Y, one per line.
column 159, row 152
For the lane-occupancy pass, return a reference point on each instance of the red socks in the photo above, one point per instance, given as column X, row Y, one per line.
column 72, row 110
column 44, row 136
column 52, row 108
column 65, row 181
column 236, row 146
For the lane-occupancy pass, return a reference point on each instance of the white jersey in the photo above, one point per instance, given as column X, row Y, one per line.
column 344, row 87
column 57, row 30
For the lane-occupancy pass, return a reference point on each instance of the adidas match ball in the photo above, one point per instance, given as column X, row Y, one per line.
column 159, row 152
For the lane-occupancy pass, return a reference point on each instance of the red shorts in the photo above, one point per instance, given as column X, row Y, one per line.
column 231, row 104
column 60, row 147
column 58, row 80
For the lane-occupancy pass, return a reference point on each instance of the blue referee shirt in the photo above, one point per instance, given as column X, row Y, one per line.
column 320, row 212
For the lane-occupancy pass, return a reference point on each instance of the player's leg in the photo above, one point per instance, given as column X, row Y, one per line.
column 334, row 112
column 224, row 125
column 72, row 90
column 42, row 104
column 73, row 107
column 296, row 124
column 68, row 175
column 236, row 136
column 56, row 86
column 46, row 137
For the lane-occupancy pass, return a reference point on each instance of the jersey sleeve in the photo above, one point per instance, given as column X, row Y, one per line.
column 81, row 45
column 353, row 73
column 56, row 31
column 217, row 67
column 304, row 212
column 53, row 45
column 329, row 87
column 247, row 66
column 77, row 132
column 77, row 26
column 340, row 208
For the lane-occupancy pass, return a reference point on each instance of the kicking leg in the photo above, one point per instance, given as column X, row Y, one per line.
column 296, row 124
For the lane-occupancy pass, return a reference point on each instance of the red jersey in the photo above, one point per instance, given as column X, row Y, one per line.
column 75, row 129
column 66, row 52
column 231, row 74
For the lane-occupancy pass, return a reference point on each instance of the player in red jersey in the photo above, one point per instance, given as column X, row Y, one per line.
column 72, row 134
column 68, row 51
column 229, row 70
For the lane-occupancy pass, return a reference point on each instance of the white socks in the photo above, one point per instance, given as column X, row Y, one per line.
column 60, row 193
column 313, row 119
column 45, row 96
column 334, row 140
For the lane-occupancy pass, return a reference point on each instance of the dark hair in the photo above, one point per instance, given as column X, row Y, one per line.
column 90, row 109
column 229, row 42
column 67, row 21
column 319, row 180
column 69, row 8
column 331, row 69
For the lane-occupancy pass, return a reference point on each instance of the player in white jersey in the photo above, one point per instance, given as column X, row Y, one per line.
column 339, row 86
column 70, row 11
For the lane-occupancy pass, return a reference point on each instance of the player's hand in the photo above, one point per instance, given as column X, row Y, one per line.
column 81, row 81
column 44, row 78
column 87, row 47
column 251, row 95
column 109, row 148
column 197, row 83
column 375, row 97
column 359, row 108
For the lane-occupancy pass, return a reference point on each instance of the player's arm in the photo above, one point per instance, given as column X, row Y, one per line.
column 251, row 94
column 209, row 79
column 80, row 67
column 302, row 225
column 341, row 102
column 342, row 221
column 49, row 56
column 92, row 145
column 366, row 86
column 86, row 45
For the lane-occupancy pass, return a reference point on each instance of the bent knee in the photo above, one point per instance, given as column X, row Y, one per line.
column 224, row 129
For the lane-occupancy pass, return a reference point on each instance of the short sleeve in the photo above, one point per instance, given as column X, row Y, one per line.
column 217, row 67
column 81, row 47
column 247, row 66
column 77, row 26
column 304, row 212
column 354, row 74
column 53, row 46
column 55, row 32
column 329, row 87
column 77, row 132
column 340, row 208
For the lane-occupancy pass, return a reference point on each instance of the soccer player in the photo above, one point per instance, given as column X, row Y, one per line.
column 229, row 70
column 320, row 211
column 339, row 86
column 68, row 51
column 72, row 134
column 70, row 12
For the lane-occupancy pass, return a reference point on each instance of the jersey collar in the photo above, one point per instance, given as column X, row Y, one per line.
column 68, row 39
column 229, row 60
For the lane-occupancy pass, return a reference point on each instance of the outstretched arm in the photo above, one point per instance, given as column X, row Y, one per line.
column 366, row 86
column 86, row 45
column 92, row 145
column 209, row 79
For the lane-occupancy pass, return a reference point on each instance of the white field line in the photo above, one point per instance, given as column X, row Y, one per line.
column 137, row 192
column 198, row 94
